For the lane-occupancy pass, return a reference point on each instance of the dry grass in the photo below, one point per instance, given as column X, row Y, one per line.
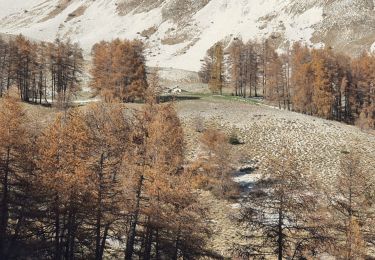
column 318, row 144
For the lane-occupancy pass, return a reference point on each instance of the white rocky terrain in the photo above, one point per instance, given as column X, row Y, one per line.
column 178, row 32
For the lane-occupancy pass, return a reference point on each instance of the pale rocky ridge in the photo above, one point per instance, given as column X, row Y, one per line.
column 178, row 32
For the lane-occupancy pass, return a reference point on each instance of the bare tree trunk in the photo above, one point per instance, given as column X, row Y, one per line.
column 104, row 239
column 280, row 235
column 134, row 222
column 4, row 206
column 148, row 243
column 73, row 236
column 57, row 230
column 70, row 237
column 177, row 244
column 157, row 253
column 99, row 210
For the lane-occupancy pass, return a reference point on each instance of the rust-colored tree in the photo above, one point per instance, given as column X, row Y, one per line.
column 13, row 167
column 161, row 202
column 108, row 132
column 217, row 71
column 65, row 178
column 350, row 208
column 119, row 70
column 207, row 61
column 279, row 213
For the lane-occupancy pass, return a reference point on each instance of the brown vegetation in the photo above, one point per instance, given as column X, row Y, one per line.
column 119, row 70
column 39, row 70
column 317, row 82
column 94, row 176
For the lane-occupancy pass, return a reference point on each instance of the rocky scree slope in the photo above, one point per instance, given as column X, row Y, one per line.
column 178, row 32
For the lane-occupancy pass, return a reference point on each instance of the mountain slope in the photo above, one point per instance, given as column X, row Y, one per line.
column 178, row 32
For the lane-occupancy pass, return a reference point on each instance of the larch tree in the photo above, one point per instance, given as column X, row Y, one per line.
column 40, row 70
column 64, row 173
column 4, row 53
column 264, row 58
column 276, row 215
column 236, row 66
column 342, row 81
column 119, row 70
column 275, row 82
column 155, row 89
column 25, row 59
column 347, row 98
column 363, row 70
column 13, row 162
column 243, row 64
column 66, row 67
column 301, row 79
column 102, row 71
column 251, row 69
column 161, row 204
column 351, row 209
column 323, row 97
column 212, row 168
column 217, row 71
column 207, row 62
column 109, row 134
column 286, row 79
column 151, row 155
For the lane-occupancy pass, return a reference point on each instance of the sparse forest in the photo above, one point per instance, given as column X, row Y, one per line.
column 109, row 180
column 42, row 72
column 96, row 182
column 316, row 82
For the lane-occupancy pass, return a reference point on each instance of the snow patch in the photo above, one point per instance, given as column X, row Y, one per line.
column 301, row 27
column 218, row 20
column 372, row 49
column 15, row 6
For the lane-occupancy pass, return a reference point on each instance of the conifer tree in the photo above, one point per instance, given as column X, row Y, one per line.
column 275, row 83
column 302, row 78
column 66, row 67
column 3, row 65
column 323, row 86
column 64, row 173
column 108, row 133
column 13, row 162
column 205, row 71
column 363, row 82
column 212, row 170
column 277, row 214
column 163, row 208
column 350, row 208
column 217, row 78
column 236, row 66
column 119, row 71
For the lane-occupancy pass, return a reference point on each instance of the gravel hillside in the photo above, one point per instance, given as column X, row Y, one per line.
column 317, row 142
column 178, row 32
